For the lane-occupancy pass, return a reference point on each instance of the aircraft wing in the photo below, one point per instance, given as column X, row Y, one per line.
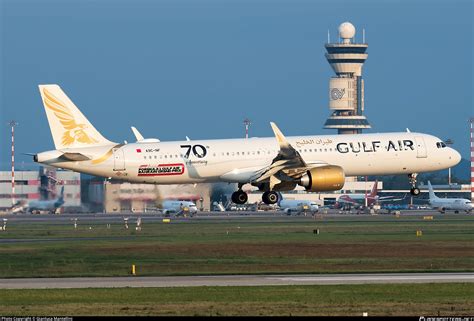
column 385, row 199
column 288, row 165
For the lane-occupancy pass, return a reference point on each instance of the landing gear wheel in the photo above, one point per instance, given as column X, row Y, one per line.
column 415, row 191
column 270, row 197
column 239, row 197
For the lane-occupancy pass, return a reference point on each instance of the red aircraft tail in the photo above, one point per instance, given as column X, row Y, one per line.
column 373, row 192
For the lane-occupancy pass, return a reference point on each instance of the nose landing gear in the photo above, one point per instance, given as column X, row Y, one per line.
column 415, row 191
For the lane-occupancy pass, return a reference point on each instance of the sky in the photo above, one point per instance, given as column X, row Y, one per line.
column 198, row 68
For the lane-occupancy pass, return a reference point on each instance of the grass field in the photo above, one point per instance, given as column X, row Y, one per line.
column 247, row 245
column 385, row 299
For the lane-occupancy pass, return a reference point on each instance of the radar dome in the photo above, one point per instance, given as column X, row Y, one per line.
column 347, row 30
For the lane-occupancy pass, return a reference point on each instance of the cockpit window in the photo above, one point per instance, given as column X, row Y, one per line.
column 440, row 145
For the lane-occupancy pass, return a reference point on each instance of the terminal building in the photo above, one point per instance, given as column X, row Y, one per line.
column 113, row 196
column 43, row 184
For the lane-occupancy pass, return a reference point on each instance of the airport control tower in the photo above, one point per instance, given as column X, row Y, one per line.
column 346, row 90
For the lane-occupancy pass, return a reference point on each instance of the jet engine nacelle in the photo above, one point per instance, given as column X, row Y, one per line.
column 324, row 178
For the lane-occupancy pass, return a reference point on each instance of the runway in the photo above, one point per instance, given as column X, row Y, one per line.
column 233, row 280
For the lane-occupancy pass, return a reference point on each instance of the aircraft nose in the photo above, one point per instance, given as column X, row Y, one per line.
column 454, row 157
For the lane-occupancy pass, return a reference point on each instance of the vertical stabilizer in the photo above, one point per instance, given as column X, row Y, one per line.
column 280, row 198
column 61, row 196
column 431, row 192
column 69, row 127
column 373, row 192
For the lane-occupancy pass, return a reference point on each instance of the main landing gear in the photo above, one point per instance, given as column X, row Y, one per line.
column 270, row 197
column 240, row 197
column 415, row 191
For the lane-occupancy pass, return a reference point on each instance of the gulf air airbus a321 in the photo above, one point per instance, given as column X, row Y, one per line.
column 279, row 163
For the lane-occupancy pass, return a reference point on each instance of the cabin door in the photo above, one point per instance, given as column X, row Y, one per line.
column 420, row 147
column 119, row 159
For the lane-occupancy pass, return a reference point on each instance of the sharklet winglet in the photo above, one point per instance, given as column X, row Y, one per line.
column 281, row 139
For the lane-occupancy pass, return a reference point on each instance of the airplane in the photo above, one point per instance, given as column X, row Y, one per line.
column 38, row 206
column 179, row 207
column 443, row 204
column 318, row 163
column 297, row 206
column 358, row 200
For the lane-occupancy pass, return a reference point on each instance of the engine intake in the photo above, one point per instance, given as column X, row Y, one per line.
column 324, row 178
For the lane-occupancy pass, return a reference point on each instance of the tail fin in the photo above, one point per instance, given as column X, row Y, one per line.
column 280, row 198
column 61, row 196
column 69, row 127
column 430, row 189
column 373, row 192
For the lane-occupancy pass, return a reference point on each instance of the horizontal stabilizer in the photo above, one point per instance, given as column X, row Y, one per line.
column 75, row 156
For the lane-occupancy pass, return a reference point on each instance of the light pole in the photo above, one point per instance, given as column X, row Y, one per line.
column 13, row 123
column 247, row 123
column 449, row 142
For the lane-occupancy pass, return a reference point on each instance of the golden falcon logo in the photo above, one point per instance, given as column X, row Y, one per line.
column 73, row 131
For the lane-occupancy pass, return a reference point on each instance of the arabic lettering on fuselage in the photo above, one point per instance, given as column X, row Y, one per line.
column 374, row 146
column 319, row 141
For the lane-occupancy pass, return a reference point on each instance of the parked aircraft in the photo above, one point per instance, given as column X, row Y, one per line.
column 358, row 200
column 319, row 163
column 179, row 208
column 297, row 206
column 38, row 206
column 443, row 204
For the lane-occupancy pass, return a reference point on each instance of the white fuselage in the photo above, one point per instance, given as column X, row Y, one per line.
column 456, row 204
column 239, row 160
column 298, row 206
column 171, row 206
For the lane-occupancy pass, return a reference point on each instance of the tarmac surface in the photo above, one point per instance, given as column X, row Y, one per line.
column 158, row 217
column 232, row 280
